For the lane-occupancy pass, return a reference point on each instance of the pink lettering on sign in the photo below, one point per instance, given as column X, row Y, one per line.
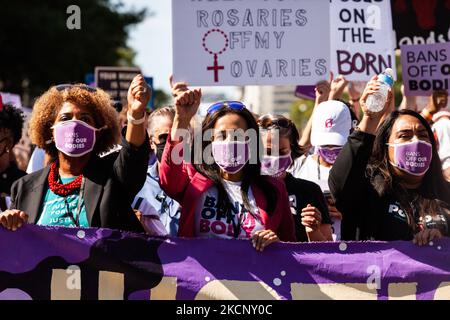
column 216, row 67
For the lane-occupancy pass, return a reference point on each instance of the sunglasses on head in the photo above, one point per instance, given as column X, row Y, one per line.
column 235, row 105
column 62, row 87
column 267, row 122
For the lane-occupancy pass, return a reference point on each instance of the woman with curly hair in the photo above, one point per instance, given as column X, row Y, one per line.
column 11, row 125
column 74, row 124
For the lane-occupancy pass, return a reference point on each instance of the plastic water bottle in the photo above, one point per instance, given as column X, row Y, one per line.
column 376, row 101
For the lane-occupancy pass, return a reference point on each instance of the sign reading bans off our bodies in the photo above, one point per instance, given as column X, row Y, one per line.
column 426, row 68
column 362, row 42
column 226, row 42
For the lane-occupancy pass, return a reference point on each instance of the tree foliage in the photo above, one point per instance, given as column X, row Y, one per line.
column 37, row 49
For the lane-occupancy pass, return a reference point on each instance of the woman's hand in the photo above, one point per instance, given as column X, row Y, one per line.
column 13, row 219
column 338, row 86
column 263, row 238
column 334, row 212
column 371, row 120
column 372, row 86
column 322, row 90
column 425, row 236
column 139, row 95
column 311, row 218
column 187, row 103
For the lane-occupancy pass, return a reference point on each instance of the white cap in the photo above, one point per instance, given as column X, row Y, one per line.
column 331, row 124
column 441, row 114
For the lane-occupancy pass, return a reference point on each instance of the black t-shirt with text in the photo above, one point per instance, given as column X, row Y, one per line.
column 301, row 193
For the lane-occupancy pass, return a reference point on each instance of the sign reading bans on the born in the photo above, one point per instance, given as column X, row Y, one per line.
column 115, row 80
column 250, row 42
column 362, row 44
column 426, row 68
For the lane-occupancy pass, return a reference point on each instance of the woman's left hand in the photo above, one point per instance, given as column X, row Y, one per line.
column 425, row 236
column 311, row 218
column 263, row 238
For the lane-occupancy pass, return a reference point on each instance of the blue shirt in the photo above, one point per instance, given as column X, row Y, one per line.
column 167, row 209
column 55, row 209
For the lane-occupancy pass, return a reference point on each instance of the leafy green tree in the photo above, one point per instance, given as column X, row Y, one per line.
column 38, row 50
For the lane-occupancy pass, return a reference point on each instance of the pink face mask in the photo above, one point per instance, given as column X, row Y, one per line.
column 413, row 157
column 74, row 138
column 230, row 156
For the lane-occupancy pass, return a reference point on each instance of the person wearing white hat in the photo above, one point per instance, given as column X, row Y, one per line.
column 331, row 126
column 441, row 130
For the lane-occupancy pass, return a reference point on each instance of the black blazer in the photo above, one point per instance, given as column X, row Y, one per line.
column 111, row 185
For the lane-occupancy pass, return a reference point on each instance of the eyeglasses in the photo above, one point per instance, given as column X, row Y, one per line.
column 62, row 87
column 235, row 105
column 267, row 122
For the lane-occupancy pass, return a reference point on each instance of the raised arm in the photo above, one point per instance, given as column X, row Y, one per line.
column 130, row 167
column 348, row 182
column 322, row 93
column 174, row 172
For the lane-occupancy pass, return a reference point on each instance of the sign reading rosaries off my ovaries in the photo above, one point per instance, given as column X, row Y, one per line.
column 426, row 68
column 362, row 38
column 247, row 42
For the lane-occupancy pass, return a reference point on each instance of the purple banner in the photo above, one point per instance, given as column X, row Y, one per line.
column 426, row 68
column 57, row 263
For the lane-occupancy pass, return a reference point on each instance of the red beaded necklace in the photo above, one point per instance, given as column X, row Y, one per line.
column 59, row 188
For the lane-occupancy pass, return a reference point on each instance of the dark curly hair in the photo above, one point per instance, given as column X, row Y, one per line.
column 12, row 118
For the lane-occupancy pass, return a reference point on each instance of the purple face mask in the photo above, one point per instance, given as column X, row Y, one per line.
column 413, row 157
column 275, row 166
column 230, row 156
column 329, row 154
column 74, row 138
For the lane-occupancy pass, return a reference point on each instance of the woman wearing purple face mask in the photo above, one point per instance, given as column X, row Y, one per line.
column 388, row 178
column 222, row 192
column 74, row 124
column 308, row 206
column 331, row 124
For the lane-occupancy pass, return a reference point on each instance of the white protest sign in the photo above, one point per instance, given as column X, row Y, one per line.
column 12, row 99
column 250, row 42
column 362, row 38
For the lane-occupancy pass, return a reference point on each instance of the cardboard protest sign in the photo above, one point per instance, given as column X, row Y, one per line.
column 250, row 42
column 426, row 68
column 115, row 80
column 362, row 42
column 420, row 22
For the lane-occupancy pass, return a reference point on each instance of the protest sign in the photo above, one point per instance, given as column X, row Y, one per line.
column 362, row 42
column 250, row 42
column 43, row 263
column 12, row 99
column 115, row 80
column 421, row 22
column 426, row 68
column 306, row 92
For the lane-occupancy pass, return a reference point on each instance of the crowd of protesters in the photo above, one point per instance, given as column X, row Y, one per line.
column 352, row 174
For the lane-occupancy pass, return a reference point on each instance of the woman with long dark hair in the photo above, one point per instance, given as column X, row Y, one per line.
column 224, row 194
column 388, row 179
column 307, row 202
